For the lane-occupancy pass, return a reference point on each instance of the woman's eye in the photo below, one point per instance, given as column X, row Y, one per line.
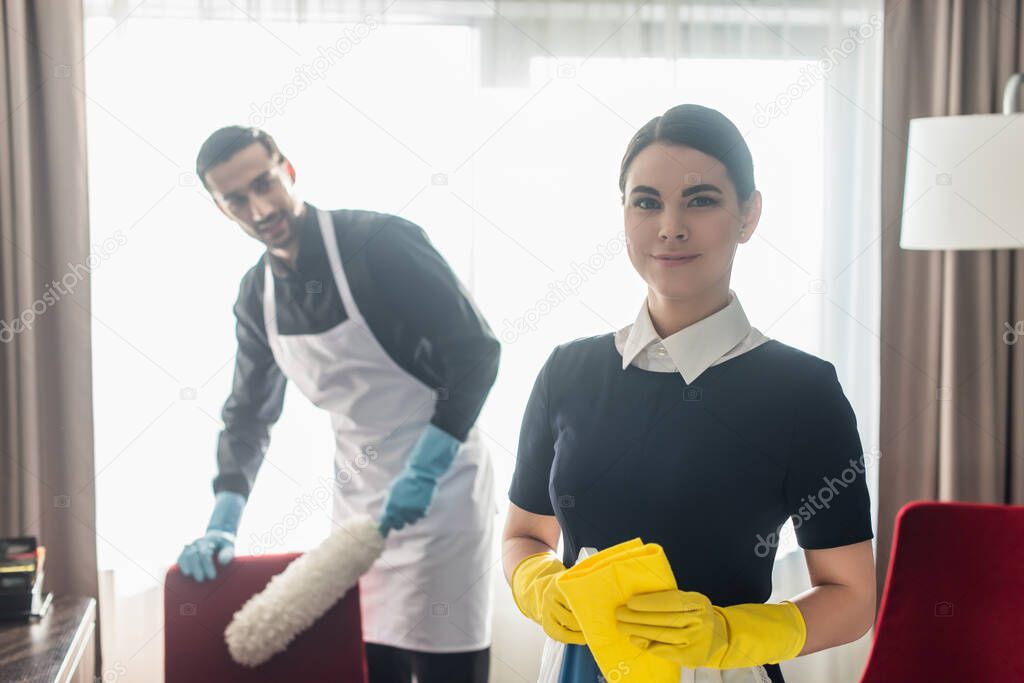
column 649, row 203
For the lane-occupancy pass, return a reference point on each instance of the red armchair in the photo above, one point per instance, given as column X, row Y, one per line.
column 953, row 604
column 196, row 614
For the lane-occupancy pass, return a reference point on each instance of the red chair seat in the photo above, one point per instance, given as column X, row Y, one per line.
column 196, row 614
column 953, row 604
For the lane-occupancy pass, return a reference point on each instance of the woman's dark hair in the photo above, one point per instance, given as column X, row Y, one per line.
column 225, row 142
column 704, row 129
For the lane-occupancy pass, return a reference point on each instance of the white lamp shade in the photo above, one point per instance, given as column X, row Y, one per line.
column 965, row 183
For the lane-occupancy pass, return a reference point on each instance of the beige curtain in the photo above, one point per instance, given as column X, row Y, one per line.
column 46, row 430
column 952, row 403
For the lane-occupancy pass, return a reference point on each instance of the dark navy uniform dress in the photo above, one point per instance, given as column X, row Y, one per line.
column 708, row 460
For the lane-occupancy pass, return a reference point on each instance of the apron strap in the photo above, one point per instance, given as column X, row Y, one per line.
column 269, row 308
column 337, row 269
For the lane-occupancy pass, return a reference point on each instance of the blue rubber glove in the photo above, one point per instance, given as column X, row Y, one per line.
column 196, row 560
column 413, row 489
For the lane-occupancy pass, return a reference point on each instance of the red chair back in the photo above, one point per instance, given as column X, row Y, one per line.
column 196, row 614
column 953, row 604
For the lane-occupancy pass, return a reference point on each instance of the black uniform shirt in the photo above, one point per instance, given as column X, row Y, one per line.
column 412, row 301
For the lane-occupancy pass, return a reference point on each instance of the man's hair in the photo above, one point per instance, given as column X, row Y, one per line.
column 225, row 142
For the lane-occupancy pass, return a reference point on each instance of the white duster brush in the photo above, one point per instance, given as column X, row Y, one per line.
column 303, row 592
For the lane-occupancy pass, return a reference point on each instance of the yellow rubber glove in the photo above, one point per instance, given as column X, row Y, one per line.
column 600, row 583
column 606, row 555
column 685, row 628
column 538, row 596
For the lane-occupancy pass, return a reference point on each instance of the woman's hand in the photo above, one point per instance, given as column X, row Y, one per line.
column 536, row 593
column 685, row 628
column 681, row 626
column 532, row 567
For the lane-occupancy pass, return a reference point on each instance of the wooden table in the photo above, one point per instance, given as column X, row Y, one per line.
column 59, row 648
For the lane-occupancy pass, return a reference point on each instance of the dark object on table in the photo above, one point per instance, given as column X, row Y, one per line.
column 21, row 579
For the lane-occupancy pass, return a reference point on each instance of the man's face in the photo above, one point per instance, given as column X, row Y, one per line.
column 258, row 193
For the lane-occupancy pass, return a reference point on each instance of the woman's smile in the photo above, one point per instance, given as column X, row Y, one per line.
column 674, row 260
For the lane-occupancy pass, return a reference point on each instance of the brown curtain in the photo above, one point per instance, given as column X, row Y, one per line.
column 46, row 429
column 952, row 404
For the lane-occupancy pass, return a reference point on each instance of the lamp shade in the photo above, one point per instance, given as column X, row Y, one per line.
column 964, row 186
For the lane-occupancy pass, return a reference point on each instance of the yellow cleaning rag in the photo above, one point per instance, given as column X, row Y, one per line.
column 602, row 582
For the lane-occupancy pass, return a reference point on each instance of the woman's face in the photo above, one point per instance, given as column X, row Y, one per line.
column 680, row 202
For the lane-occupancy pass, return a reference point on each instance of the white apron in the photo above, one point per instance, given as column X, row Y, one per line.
column 431, row 590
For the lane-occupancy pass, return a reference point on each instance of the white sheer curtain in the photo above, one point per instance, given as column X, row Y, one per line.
column 498, row 126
